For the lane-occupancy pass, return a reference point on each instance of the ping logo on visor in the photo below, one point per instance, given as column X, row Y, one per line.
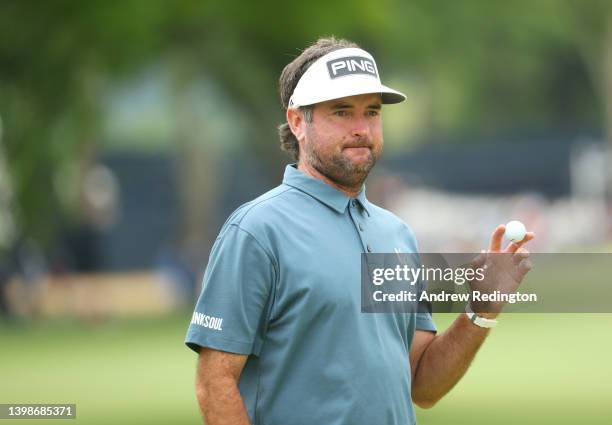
column 351, row 65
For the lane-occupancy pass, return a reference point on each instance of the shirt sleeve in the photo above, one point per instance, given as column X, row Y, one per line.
column 237, row 291
column 424, row 322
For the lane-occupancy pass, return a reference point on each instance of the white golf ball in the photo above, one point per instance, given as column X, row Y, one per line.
column 515, row 231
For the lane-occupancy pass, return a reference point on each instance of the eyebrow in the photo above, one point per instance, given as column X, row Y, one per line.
column 342, row 105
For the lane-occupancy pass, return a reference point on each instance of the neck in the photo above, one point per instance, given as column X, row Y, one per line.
column 308, row 169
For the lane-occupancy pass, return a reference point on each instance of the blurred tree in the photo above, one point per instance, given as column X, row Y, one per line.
column 7, row 221
column 592, row 34
column 488, row 67
column 54, row 60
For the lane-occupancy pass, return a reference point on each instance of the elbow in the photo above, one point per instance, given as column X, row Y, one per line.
column 202, row 394
column 205, row 390
column 424, row 397
column 424, row 401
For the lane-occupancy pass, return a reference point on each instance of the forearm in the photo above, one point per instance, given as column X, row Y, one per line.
column 220, row 402
column 445, row 360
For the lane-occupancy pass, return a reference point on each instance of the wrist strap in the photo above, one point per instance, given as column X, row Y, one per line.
column 479, row 320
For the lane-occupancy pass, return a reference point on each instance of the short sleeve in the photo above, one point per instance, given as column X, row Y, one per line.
column 237, row 291
column 424, row 322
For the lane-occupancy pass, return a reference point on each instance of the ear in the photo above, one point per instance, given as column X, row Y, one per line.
column 296, row 122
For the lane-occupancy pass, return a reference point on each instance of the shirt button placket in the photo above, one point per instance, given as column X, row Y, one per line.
column 355, row 205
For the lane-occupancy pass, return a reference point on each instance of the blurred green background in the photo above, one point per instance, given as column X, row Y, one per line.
column 130, row 130
column 534, row 369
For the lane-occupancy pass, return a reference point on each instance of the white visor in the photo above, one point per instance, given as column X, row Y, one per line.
column 341, row 73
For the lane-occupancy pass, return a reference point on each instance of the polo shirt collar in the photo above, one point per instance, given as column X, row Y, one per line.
column 321, row 191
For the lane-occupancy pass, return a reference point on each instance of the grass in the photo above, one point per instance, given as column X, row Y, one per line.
column 123, row 371
column 534, row 369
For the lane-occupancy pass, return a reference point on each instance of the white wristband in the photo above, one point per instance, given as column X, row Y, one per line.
column 478, row 320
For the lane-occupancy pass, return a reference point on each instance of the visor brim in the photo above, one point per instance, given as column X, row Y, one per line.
column 388, row 96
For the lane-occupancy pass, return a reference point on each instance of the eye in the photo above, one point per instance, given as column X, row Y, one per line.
column 373, row 113
column 341, row 113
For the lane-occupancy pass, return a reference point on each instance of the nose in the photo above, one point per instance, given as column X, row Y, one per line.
column 361, row 127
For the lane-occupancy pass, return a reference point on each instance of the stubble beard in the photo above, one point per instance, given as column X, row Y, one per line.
column 340, row 169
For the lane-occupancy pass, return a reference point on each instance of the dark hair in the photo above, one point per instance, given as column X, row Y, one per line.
column 290, row 77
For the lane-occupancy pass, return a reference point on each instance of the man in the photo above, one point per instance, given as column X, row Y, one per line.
column 278, row 327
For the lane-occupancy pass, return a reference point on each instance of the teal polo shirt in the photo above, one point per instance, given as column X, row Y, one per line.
column 283, row 286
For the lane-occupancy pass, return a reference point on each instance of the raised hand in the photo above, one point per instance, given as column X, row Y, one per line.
column 504, row 271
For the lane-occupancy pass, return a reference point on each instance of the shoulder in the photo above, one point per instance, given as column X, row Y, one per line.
column 267, row 210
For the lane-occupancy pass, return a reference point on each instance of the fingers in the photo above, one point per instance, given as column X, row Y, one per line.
column 514, row 246
column 496, row 238
column 479, row 260
column 519, row 256
column 524, row 266
column 521, row 259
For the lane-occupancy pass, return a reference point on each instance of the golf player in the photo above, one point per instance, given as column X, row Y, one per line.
column 278, row 326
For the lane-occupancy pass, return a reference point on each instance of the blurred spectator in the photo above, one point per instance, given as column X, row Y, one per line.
column 7, row 229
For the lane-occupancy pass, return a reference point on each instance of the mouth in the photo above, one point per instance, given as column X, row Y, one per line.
column 358, row 154
column 357, row 149
column 358, row 146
